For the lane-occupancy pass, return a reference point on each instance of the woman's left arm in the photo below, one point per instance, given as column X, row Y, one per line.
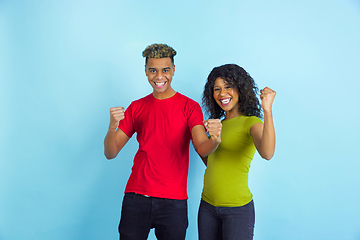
column 264, row 134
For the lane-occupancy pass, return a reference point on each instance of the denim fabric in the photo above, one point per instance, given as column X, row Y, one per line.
column 140, row 213
column 226, row 223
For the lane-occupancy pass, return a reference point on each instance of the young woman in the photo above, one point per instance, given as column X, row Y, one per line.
column 226, row 210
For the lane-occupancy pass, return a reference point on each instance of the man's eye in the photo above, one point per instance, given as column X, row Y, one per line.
column 165, row 71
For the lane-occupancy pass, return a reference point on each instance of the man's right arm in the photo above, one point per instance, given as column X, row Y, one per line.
column 115, row 138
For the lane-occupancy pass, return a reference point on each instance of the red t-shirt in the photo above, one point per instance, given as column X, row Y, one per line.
column 163, row 130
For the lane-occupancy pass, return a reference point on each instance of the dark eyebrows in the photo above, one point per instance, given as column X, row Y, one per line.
column 225, row 85
column 166, row 68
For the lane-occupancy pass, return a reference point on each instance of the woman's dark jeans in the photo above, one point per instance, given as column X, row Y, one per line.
column 226, row 223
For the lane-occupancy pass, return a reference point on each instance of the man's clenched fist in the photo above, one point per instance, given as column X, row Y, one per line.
column 116, row 115
column 214, row 128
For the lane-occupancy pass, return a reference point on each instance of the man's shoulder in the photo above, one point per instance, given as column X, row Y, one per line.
column 142, row 100
column 138, row 104
column 186, row 99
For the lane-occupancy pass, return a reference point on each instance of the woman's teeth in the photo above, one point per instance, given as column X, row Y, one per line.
column 225, row 101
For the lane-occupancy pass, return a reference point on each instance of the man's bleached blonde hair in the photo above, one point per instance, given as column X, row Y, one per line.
column 158, row 50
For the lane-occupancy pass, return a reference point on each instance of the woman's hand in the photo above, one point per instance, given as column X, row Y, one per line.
column 267, row 96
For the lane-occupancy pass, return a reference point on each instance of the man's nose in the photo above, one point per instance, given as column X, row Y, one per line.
column 159, row 75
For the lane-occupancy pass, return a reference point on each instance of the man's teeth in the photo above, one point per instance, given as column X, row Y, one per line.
column 159, row 84
column 225, row 101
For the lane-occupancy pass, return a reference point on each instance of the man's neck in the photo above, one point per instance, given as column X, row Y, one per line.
column 164, row 95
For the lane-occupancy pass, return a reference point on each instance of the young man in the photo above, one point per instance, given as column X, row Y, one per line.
column 165, row 121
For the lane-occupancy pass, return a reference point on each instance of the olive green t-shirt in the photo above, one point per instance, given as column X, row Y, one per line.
column 226, row 175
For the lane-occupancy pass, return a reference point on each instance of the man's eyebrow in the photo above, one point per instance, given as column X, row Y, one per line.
column 163, row 68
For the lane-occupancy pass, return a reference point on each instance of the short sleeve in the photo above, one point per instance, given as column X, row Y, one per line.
column 127, row 124
column 195, row 116
column 250, row 121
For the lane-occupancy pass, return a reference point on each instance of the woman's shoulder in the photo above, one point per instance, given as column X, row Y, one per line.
column 249, row 121
column 252, row 118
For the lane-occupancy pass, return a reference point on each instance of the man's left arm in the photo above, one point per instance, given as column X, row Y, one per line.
column 203, row 145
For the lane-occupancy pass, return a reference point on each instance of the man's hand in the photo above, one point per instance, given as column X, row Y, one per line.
column 213, row 127
column 116, row 115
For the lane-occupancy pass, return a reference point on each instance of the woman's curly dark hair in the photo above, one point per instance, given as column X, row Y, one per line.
column 239, row 79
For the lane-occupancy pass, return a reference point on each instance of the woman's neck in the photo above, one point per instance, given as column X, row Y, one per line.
column 232, row 114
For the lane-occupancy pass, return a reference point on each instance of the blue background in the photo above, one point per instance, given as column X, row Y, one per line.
column 63, row 64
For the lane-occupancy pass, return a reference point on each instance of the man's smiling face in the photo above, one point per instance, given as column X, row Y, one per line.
column 159, row 72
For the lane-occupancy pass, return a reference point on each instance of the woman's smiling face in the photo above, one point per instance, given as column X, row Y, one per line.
column 226, row 96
